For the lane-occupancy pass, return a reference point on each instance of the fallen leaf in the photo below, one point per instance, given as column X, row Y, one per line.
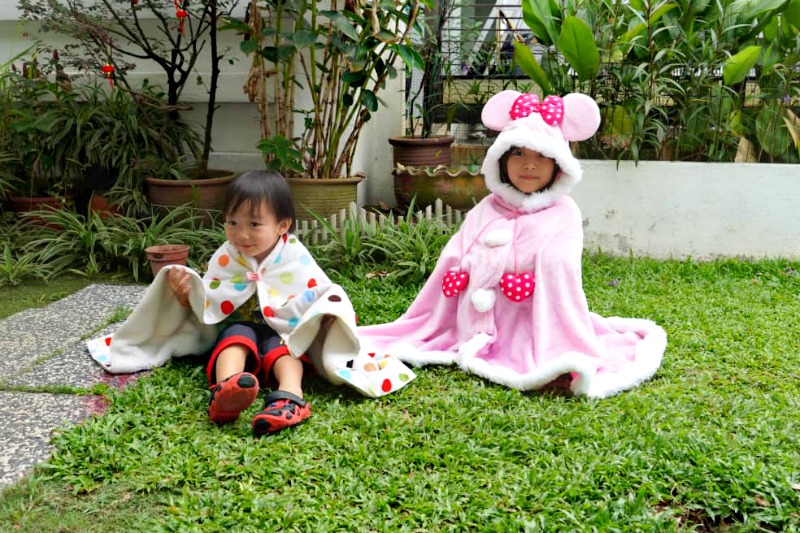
column 377, row 274
column 762, row 502
column 796, row 486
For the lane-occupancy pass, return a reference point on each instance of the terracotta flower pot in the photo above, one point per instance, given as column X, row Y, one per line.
column 459, row 188
column 325, row 197
column 422, row 151
column 166, row 254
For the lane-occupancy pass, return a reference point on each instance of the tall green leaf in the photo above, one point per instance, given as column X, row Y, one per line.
column 738, row 66
column 539, row 17
column 523, row 58
column 771, row 131
column 577, row 45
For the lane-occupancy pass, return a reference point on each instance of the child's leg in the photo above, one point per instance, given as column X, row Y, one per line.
column 231, row 361
column 285, row 407
column 233, row 389
column 289, row 374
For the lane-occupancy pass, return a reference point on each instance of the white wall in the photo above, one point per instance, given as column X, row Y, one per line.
column 236, row 126
column 698, row 210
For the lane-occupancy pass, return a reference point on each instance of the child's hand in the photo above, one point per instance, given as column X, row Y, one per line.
column 179, row 281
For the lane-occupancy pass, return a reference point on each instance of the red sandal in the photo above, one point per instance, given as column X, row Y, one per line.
column 281, row 410
column 231, row 396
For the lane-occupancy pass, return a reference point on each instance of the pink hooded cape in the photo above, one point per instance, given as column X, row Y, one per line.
column 506, row 299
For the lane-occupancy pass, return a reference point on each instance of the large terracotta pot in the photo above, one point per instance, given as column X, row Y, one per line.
column 101, row 205
column 421, row 151
column 26, row 204
column 23, row 204
column 324, row 197
column 459, row 188
column 205, row 193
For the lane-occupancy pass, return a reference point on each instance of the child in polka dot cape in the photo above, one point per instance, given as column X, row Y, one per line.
column 276, row 315
column 505, row 300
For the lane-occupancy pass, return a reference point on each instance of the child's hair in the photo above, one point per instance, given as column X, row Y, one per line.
column 503, row 163
column 259, row 188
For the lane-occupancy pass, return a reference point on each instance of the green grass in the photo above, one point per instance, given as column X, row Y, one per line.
column 710, row 444
column 38, row 293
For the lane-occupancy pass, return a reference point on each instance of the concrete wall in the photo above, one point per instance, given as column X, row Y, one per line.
column 700, row 210
column 236, row 127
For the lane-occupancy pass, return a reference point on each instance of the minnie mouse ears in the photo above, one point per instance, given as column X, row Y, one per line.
column 576, row 114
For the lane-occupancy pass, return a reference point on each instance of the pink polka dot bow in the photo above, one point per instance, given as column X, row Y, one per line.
column 551, row 108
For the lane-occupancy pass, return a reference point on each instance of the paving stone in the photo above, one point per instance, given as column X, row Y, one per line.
column 37, row 334
column 72, row 367
column 28, row 421
column 44, row 348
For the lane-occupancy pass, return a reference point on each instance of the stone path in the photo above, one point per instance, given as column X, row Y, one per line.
column 42, row 350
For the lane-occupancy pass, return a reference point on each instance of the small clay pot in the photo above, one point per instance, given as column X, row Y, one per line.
column 166, row 254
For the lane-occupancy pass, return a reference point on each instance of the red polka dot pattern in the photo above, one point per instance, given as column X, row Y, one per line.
column 551, row 108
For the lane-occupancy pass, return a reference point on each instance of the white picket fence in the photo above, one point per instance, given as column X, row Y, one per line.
column 312, row 232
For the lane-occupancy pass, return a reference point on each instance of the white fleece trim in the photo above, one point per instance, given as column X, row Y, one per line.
column 566, row 362
column 473, row 346
column 588, row 382
column 649, row 353
column 407, row 353
column 548, row 141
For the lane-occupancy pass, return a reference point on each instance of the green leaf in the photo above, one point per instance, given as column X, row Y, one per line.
column 790, row 20
column 638, row 29
column 523, row 58
column 577, row 45
column 342, row 24
column 369, row 100
column 236, row 25
column 410, row 56
column 304, row 39
column 752, row 9
column 771, row 131
column 738, row 66
column 539, row 18
column 355, row 78
column 249, row 46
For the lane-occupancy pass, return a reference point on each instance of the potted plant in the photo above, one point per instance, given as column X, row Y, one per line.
column 108, row 36
column 123, row 134
column 421, row 145
column 330, row 62
column 38, row 138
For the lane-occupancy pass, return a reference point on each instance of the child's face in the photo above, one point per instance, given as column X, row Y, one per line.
column 529, row 171
column 257, row 234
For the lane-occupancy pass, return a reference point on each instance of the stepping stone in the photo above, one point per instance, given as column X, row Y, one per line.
column 29, row 419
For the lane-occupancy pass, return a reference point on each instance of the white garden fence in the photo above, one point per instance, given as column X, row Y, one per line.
column 313, row 232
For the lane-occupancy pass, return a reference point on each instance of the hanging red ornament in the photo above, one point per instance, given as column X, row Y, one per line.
column 108, row 71
column 181, row 14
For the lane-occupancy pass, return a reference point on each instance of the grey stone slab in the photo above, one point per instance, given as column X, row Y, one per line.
column 73, row 367
column 34, row 335
column 28, row 420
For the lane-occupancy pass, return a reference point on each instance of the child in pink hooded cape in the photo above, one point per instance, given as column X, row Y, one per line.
column 506, row 299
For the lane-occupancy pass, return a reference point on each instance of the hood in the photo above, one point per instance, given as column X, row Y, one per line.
column 547, row 127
